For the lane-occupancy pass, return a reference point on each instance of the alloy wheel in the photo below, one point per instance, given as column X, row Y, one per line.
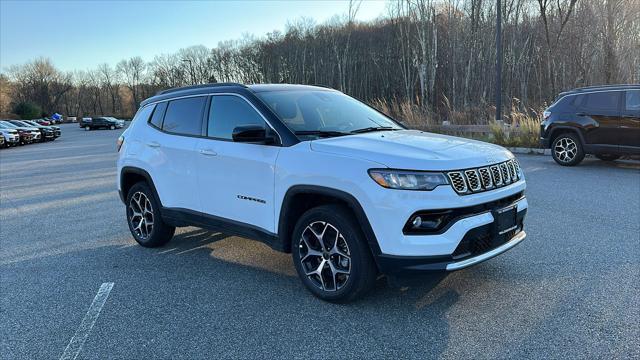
column 325, row 256
column 141, row 215
column 565, row 149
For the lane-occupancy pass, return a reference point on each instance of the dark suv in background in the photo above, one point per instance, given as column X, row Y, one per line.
column 599, row 120
column 103, row 122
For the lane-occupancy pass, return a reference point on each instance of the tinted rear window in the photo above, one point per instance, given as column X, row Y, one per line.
column 158, row 115
column 606, row 101
column 142, row 113
column 184, row 116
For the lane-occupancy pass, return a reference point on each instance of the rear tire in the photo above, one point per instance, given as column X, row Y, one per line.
column 567, row 149
column 143, row 217
column 607, row 157
column 331, row 254
column 112, row 127
column 87, row 128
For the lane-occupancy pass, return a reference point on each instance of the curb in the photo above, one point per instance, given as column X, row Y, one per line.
column 529, row 151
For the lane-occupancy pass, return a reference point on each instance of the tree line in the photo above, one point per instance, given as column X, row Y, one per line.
column 437, row 56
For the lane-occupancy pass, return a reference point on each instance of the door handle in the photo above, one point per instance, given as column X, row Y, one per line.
column 208, row 152
column 154, row 144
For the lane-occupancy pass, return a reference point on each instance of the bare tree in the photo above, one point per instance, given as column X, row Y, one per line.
column 133, row 71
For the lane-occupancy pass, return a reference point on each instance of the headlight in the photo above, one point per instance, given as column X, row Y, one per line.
column 408, row 180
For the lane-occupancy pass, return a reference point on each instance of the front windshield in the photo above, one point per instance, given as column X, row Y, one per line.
column 318, row 113
column 8, row 125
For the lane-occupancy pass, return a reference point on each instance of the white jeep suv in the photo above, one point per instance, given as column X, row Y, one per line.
column 349, row 192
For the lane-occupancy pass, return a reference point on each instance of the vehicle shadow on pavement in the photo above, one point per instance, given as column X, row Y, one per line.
column 595, row 163
column 235, row 281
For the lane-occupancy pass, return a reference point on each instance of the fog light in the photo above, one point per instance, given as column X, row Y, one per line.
column 426, row 222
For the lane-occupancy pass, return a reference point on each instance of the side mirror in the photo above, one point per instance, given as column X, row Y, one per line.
column 252, row 134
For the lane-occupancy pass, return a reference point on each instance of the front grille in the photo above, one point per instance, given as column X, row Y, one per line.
column 506, row 178
column 474, row 180
column 497, row 176
column 457, row 181
column 485, row 177
column 512, row 170
column 516, row 166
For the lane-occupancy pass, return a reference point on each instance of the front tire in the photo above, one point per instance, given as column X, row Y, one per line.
column 112, row 127
column 143, row 217
column 331, row 255
column 567, row 150
column 607, row 157
column 87, row 128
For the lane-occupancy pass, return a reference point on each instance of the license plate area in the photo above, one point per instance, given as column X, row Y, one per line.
column 505, row 219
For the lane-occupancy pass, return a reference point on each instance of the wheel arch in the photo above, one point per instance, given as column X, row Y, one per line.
column 300, row 198
column 129, row 176
column 559, row 130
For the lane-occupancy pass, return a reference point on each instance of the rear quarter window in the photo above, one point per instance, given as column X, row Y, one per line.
column 143, row 113
column 158, row 115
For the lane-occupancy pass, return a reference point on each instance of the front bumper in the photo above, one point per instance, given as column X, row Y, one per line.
column 486, row 248
column 545, row 143
column 469, row 239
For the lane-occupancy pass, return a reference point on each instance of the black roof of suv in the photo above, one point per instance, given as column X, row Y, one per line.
column 600, row 120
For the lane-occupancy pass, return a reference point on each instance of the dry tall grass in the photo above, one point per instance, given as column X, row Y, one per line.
column 521, row 129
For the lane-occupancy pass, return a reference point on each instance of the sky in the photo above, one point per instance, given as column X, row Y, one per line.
column 79, row 35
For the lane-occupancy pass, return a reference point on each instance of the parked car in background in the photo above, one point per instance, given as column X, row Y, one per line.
column 43, row 122
column 599, row 120
column 46, row 133
column 10, row 136
column 84, row 122
column 27, row 135
column 118, row 121
column 103, row 123
column 54, row 129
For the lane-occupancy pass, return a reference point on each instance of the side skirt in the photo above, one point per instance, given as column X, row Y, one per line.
column 184, row 217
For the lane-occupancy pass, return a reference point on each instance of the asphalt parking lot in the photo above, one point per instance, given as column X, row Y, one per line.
column 572, row 289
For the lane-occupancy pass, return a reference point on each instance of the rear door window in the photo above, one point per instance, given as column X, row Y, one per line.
column 184, row 116
column 602, row 101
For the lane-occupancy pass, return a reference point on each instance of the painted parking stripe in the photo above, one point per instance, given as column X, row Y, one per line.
column 77, row 341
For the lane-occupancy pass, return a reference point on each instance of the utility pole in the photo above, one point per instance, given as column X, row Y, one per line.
column 498, row 60
column 190, row 71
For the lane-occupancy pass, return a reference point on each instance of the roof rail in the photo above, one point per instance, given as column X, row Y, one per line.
column 162, row 92
column 323, row 86
column 603, row 86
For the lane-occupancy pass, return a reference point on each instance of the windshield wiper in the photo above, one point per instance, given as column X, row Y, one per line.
column 322, row 133
column 373, row 128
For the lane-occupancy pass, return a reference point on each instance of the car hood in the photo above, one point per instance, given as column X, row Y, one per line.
column 415, row 150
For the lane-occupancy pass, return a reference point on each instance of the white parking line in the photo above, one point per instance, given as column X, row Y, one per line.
column 77, row 341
